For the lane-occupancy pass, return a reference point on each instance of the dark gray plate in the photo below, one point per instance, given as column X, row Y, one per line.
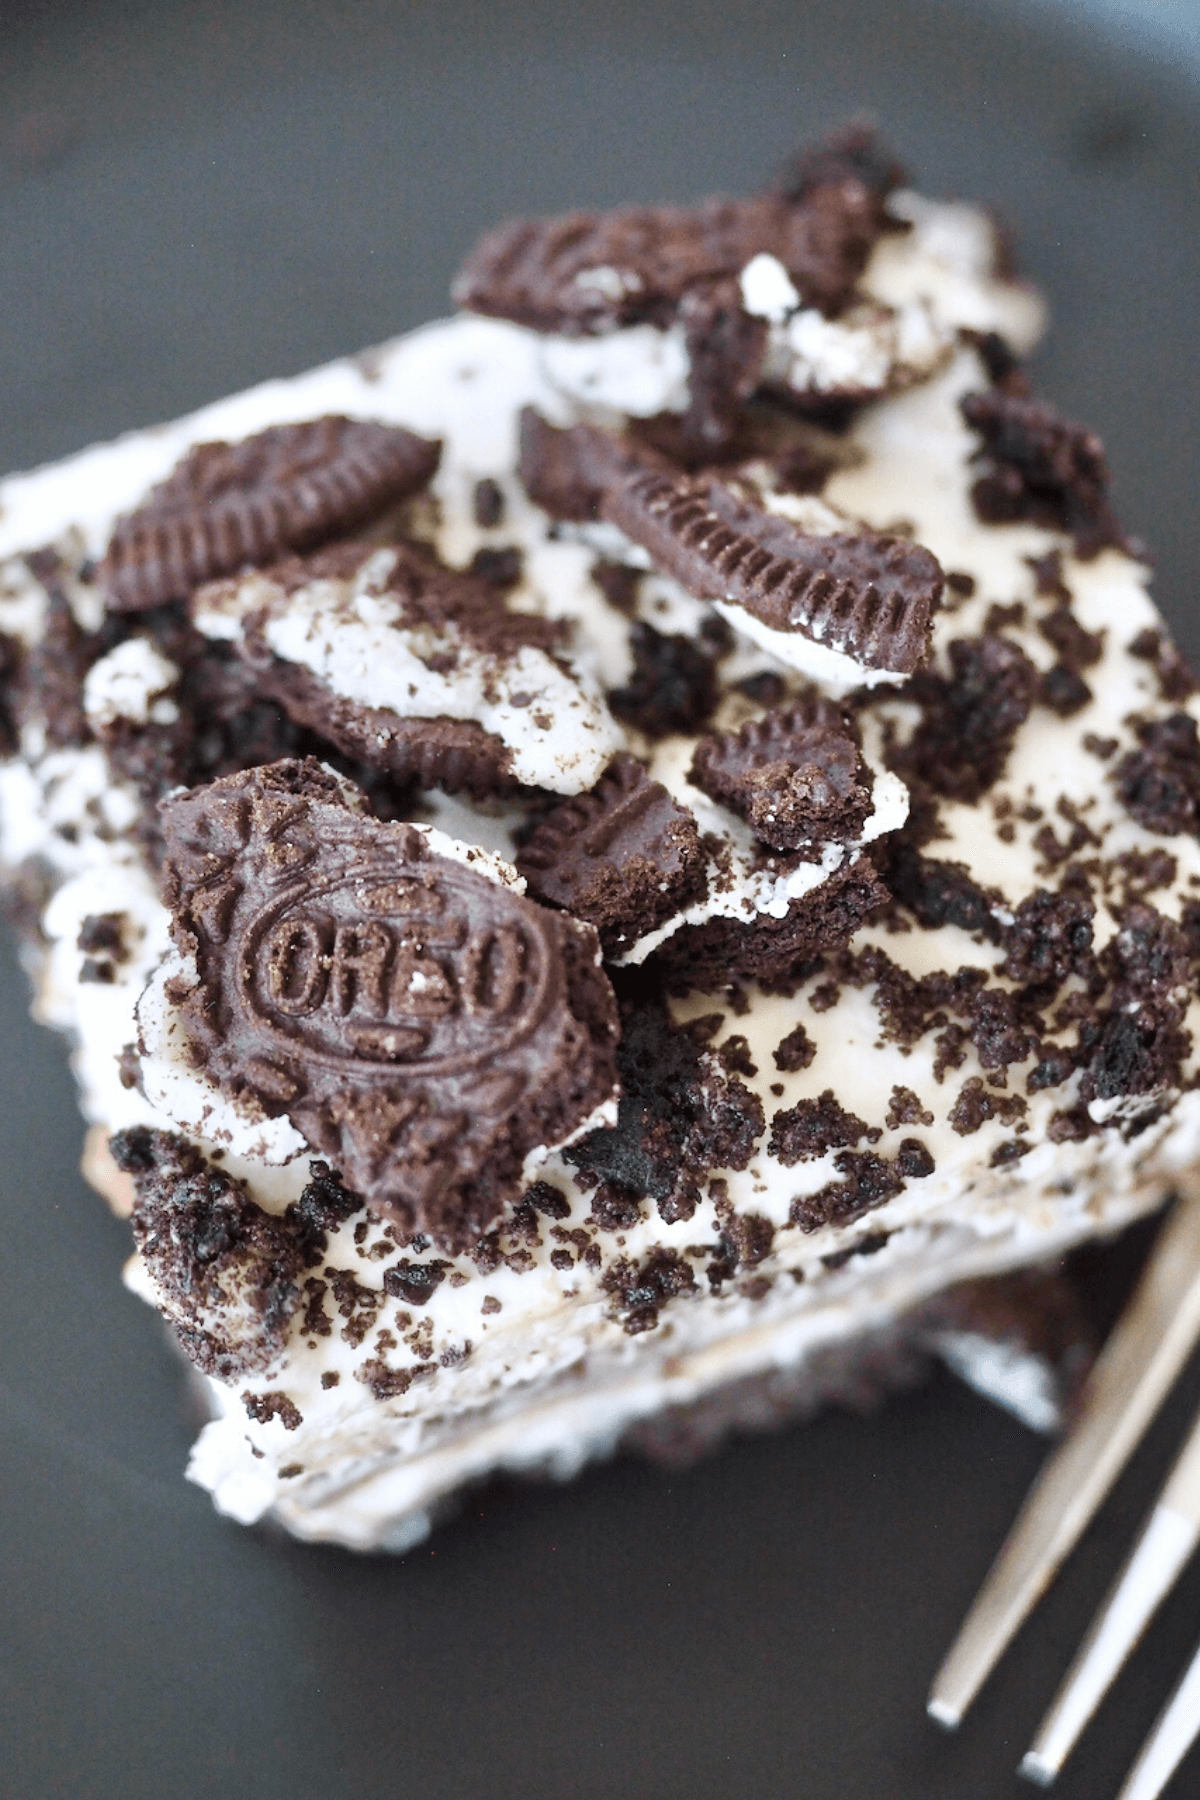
column 191, row 198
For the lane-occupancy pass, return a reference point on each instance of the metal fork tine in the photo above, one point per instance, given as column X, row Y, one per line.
column 1167, row 1540
column 1141, row 1359
column 1173, row 1735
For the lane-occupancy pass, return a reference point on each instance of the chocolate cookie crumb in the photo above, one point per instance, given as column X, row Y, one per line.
column 905, row 1108
column 795, row 1051
column 672, row 687
column 1159, row 783
column 813, row 1127
column 1039, row 466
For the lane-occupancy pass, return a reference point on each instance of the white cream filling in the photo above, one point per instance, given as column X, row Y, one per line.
column 132, row 682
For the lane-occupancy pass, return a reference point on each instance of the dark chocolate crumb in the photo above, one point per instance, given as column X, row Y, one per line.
column 487, row 503
column 1050, row 937
column 813, row 1127
column 1159, row 783
column 415, row 1283
column 795, row 1051
column 969, row 719
column 265, row 1407
column 905, row 1108
column 1037, row 465
column 868, row 1181
column 976, row 1104
column 547, row 1199
column 639, row 1290
column 913, row 1159
column 672, row 687
column 1176, row 680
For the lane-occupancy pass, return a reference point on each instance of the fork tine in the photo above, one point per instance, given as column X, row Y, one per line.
column 1167, row 1540
column 1169, row 1742
column 1141, row 1359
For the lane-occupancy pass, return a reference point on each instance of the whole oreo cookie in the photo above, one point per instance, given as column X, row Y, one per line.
column 421, row 1023
column 795, row 776
column 227, row 506
column 865, row 594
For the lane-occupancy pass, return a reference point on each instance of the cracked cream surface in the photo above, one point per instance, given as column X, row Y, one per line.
column 525, row 1365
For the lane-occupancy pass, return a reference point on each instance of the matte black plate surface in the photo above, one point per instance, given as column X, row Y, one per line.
column 194, row 197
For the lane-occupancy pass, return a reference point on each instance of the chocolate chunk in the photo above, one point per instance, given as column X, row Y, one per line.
column 812, row 1128
column 865, row 594
column 624, row 857
column 795, row 777
column 228, row 505
column 969, row 719
column 422, row 1025
column 1040, row 467
column 1159, row 783
column 672, row 687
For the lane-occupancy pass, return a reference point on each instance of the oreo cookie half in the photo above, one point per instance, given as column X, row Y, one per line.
column 421, row 1023
column 229, row 506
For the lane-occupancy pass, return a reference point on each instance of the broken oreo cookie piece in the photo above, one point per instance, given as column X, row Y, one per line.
column 226, row 506
column 585, row 273
column 417, row 670
column 863, row 595
column 422, row 1024
column 1038, row 466
column 795, row 776
column 624, row 857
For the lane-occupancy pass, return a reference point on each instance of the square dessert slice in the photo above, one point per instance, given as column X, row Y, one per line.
column 599, row 857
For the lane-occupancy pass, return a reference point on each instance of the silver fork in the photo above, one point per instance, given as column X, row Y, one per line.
column 1144, row 1353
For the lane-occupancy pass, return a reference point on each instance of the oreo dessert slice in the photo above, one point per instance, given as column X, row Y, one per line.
column 599, row 884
